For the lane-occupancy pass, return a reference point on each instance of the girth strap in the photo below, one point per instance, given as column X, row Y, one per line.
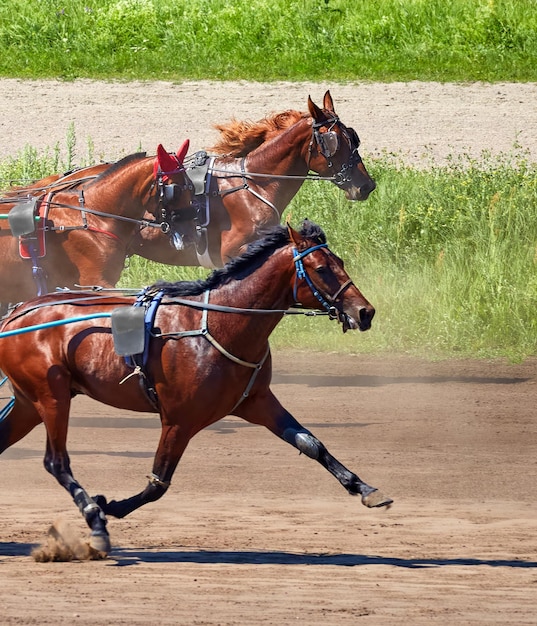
column 139, row 361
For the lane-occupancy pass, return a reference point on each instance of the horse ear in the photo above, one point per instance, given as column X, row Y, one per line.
column 293, row 235
column 328, row 103
column 181, row 153
column 168, row 162
column 314, row 110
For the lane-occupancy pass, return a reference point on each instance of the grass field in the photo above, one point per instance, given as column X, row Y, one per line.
column 385, row 40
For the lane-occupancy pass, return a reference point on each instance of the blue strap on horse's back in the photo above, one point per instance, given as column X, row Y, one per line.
column 139, row 361
column 151, row 306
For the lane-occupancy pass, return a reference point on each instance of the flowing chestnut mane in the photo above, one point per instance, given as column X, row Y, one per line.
column 242, row 266
column 239, row 138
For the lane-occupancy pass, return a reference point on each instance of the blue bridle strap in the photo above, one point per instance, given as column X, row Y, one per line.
column 301, row 274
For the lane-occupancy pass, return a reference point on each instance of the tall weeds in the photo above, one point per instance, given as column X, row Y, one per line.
column 448, row 256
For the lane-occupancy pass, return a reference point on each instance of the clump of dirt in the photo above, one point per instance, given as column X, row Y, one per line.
column 63, row 544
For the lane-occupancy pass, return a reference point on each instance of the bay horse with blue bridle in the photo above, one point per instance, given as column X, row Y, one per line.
column 75, row 229
column 255, row 171
column 205, row 355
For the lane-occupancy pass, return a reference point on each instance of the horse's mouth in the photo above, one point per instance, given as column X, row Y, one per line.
column 361, row 193
column 363, row 323
column 357, row 194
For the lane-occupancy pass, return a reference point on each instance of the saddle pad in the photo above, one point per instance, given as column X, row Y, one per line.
column 21, row 218
column 34, row 241
column 128, row 330
column 198, row 172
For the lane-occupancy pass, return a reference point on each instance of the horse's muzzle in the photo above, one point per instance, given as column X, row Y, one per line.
column 361, row 193
column 365, row 317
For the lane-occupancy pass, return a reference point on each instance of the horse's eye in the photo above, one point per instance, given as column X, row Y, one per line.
column 321, row 269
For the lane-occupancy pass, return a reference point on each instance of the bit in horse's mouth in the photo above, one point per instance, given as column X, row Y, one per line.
column 348, row 322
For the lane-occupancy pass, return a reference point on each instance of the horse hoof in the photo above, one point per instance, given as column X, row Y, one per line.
column 375, row 499
column 100, row 543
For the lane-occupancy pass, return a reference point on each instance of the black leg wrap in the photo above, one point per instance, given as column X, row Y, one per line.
column 154, row 490
column 92, row 512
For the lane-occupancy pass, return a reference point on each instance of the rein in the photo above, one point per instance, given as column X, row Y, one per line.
column 276, row 176
column 122, row 218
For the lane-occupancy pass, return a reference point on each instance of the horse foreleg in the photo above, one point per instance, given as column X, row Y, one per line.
column 172, row 444
column 57, row 463
column 266, row 410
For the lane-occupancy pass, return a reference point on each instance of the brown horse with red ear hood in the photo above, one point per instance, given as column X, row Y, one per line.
column 76, row 229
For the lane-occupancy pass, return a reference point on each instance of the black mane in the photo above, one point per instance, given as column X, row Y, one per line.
column 241, row 266
column 120, row 164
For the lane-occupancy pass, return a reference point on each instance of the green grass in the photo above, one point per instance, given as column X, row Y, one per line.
column 447, row 255
column 385, row 40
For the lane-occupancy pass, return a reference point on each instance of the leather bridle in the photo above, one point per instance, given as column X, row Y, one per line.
column 328, row 143
column 327, row 301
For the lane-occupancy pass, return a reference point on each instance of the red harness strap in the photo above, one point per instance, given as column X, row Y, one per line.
column 38, row 237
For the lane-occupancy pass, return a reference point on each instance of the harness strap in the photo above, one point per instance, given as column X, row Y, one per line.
column 139, row 361
column 204, row 332
column 246, row 187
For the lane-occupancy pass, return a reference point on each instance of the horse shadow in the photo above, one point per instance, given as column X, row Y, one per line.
column 367, row 380
column 128, row 557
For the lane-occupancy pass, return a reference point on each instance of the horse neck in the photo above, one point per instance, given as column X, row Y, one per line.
column 268, row 287
column 285, row 154
column 125, row 191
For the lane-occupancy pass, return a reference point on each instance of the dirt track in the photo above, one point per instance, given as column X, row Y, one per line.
column 411, row 119
column 251, row 532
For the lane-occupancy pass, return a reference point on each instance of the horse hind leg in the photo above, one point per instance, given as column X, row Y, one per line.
column 17, row 423
column 54, row 408
column 21, row 419
column 57, row 463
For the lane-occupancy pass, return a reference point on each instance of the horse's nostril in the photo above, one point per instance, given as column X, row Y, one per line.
column 366, row 314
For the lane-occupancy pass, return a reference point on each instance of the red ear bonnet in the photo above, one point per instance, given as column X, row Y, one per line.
column 168, row 163
column 181, row 153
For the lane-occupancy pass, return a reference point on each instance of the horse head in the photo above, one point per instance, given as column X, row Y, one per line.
column 172, row 182
column 334, row 151
column 321, row 278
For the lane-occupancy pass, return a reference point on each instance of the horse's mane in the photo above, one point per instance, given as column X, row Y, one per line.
column 239, row 138
column 243, row 265
column 118, row 165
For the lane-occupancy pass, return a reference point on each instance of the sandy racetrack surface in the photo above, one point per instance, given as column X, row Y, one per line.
column 251, row 532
